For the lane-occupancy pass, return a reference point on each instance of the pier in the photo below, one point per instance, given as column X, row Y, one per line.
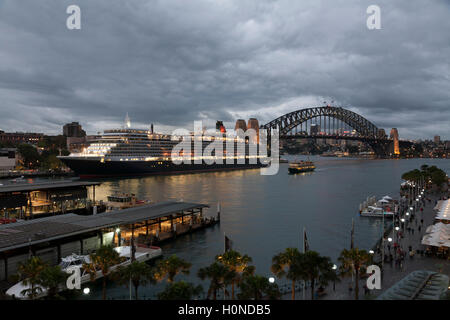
column 52, row 238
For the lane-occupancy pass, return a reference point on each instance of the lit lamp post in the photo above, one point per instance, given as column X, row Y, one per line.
column 334, row 279
column 395, row 251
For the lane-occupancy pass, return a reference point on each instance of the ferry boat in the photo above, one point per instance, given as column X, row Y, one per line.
column 76, row 261
column 129, row 152
column 301, row 166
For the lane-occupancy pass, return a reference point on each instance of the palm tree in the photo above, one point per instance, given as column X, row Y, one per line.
column 220, row 276
column 256, row 286
column 172, row 266
column 52, row 278
column 180, row 291
column 30, row 272
column 313, row 266
column 288, row 264
column 140, row 274
column 104, row 258
column 352, row 261
column 238, row 263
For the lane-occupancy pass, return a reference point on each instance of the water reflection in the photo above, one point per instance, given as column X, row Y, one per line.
column 265, row 214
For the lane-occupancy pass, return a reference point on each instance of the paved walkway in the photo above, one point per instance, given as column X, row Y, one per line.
column 393, row 273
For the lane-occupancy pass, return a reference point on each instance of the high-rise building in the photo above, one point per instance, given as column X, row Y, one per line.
column 73, row 130
column 315, row 129
column 240, row 124
column 381, row 134
column 437, row 139
column 394, row 136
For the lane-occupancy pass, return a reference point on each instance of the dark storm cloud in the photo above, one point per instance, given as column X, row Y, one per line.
column 172, row 62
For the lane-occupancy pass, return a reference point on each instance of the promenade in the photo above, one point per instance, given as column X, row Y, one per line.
column 392, row 273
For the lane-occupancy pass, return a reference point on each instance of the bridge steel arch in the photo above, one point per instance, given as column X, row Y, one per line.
column 289, row 121
column 368, row 132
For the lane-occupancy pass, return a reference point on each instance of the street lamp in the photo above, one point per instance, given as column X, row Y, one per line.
column 271, row 279
column 390, row 239
column 397, row 228
column 334, row 280
column 371, row 251
column 86, row 290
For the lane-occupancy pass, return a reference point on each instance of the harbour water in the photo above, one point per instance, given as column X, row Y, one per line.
column 263, row 215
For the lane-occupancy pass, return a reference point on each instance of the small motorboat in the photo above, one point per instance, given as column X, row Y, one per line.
column 372, row 211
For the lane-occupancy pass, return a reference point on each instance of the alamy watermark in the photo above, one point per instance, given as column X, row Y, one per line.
column 374, row 20
column 237, row 147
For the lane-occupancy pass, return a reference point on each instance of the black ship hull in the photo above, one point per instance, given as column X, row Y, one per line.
column 300, row 170
column 86, row 168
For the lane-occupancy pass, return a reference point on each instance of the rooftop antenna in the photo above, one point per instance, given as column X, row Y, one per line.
column 127, row 121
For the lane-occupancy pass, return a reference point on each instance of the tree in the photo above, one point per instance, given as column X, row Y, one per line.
column 29, row 273
column 29, row 154
column 102, row 260
column 172, row 266
column 313, row 266
column 52, row 278
column 180, row 291
column 219, row 275
column 256, row 287
column 436, row 175
column 287, row 264
column 351, row 262
column 140, row 274
column 238, row 263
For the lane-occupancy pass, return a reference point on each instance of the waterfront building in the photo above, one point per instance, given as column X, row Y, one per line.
column 15, row 138
column 8, row 159
column 437, row 139
column 30, row 201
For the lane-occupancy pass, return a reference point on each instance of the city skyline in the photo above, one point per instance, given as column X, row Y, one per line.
column 172, row 64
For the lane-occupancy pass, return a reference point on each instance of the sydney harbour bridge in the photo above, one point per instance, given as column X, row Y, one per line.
column 329, row 122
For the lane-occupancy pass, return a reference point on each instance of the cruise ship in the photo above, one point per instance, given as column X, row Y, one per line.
column 131, row 152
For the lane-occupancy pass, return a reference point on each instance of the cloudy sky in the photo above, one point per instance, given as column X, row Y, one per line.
column 170, row 62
